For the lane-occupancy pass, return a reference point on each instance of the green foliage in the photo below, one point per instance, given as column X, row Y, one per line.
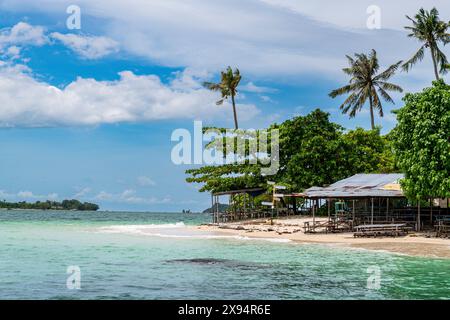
column 422, row 142
column 229, row 82
column 430, row 31
column 366, row 84
column 51, row 205
column 313, row 151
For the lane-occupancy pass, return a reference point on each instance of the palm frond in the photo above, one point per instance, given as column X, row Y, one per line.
column 389, row 72
column 441, row 59
column 389, row 86
column 212, row 86
column 418, row 56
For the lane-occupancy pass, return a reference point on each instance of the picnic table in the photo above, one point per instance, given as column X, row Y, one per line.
column 443, row 226
column 375, row 230
column 327, row 226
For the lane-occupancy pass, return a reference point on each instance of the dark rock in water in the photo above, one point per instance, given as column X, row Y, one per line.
column 199, row 261
column 218, row 262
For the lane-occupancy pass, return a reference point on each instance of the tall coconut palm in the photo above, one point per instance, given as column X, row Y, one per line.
column 228, row 88
column 429, row 30
column 365, row 84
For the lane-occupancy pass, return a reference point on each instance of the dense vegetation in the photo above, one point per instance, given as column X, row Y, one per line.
column 51, row 205
column 313, row 151
column 422, row 142
column 317, row 152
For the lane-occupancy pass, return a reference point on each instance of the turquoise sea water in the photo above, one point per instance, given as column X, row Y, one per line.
column 155, row 256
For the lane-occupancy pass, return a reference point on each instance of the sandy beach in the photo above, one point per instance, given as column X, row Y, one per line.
column 415, row 244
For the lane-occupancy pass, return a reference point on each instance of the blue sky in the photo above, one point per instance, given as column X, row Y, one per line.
column 89, row 113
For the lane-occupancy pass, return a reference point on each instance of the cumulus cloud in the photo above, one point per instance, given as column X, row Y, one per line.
column 23, row 34
column 27, row 102
column 88, row 47
column 20, row 35
column 280, row 37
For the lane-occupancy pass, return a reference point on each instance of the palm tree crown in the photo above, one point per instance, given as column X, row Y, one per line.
column 228, row 88
column 365, row 84
column 430, row 30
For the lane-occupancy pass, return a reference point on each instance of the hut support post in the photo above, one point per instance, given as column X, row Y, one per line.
column 314, row 213
column 371, row 218
column 431, row 212
column 387, row 209
column 418, row 216
column 353, row 212
column 329, row 209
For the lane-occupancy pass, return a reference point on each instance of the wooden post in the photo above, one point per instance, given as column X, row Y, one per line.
column 314, row 213
column 431, row 211
column 371, row 220
column 353, row 213
column 329, row 209
column 418, row 215
column 387, row 209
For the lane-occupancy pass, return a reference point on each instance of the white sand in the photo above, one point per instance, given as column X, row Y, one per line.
column 415, row 244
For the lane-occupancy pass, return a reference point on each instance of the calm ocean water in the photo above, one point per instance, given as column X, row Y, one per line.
column 124, row 255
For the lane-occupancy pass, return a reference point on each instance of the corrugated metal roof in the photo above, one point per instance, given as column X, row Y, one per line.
column 361, row 185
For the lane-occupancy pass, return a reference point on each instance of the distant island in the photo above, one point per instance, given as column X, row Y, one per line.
column 51, row 205
column 222, row 208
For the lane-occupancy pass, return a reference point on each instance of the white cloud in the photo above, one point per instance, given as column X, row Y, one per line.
column 144, row 181
column 20, row 35
column 27, row 195
column 88, row 47
column 83, row 192
column 280, row 37
column 12, row 53
column 353, row 13
column 23, row 34
column 28, row 102
column 266, row 99
column 130, row 196
column 253, row 88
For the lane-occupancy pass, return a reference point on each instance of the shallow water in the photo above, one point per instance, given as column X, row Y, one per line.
column 127, row 255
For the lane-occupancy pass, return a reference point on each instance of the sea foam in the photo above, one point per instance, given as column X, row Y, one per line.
column 176, row 230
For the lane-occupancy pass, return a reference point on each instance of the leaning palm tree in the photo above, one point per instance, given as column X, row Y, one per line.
column 364, row 84
column 228, row 88
column 429, row 30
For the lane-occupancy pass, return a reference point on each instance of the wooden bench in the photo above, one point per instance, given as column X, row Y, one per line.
column 310, row 226
column 442, row 227
column 387, row 230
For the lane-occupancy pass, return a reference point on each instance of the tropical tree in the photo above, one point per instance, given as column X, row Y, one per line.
column 421, row 142
column 228, row 88
column 430, row 31
column 313, row 151
column 366, row 84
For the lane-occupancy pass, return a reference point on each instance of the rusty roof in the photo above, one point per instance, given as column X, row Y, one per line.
column 360, row 186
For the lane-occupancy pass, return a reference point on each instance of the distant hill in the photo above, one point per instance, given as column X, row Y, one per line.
column 51, row 205
column 222, row 207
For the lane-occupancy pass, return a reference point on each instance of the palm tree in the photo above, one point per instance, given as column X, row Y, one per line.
column 430, row 30
column 364, row 84
column 228, row 88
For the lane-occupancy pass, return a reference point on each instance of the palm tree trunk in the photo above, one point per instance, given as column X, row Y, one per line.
column 234, row 112
column 433, row 56
column 372, row 120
